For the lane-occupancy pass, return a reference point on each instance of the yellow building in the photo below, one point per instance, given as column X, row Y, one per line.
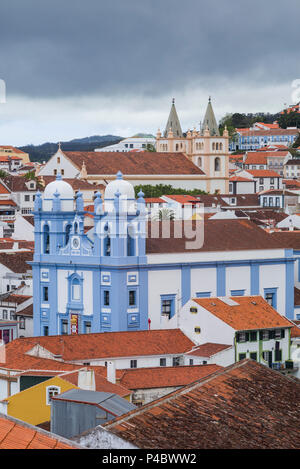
column 33, row 404
column 8, row 150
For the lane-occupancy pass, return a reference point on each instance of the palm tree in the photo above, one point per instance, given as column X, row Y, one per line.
column 164, row 214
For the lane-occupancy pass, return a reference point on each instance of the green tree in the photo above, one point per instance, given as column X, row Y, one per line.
column 3, row 174
column 164, row 189
column 164, row 214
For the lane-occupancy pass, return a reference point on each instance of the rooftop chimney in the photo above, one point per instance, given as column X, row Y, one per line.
column 86, row 380
column 111, row 372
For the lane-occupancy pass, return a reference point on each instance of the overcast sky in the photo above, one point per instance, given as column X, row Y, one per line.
column 75, row 68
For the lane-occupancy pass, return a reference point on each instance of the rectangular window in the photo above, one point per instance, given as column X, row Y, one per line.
column 176, row 361
column 278, row 355
column 279, row 334
column 88, row 327
column 265, row 335
column 45, row 293
column 132, row 298
column 242, row 356
column 253, row 336
column 64, row 327
column 191, row 361
column 133, row 363
column 270, row 295
column 46, row 330
column 163, row 362
column 241, row 337
column 106, row 297
column 237, row 292
column 203, row 294
column 253, row 356
column 27, row 198
column 22, row 323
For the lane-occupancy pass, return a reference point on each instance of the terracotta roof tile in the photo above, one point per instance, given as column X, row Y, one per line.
column 250, row 312
column 240, row 407
column 208, row 349
column 15, row 434
column 161, row 377
column 131, row 163
column 263, row 173
column 16, row 261
column 219, row 235
column 102, row 345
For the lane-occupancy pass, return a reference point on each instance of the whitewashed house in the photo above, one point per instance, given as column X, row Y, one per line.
column 249, row 325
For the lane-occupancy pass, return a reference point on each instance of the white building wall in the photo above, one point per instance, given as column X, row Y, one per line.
column 238, row 278
column 70, row 171
column 162, row 282
column 203, row 280
column 224, row 358
column 273, row 276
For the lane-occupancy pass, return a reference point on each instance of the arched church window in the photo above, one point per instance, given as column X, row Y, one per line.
column 217, row 146
column 176, row 147
column 46, row 240
column 221, row 146
column 130, row 241
column 213, row 146
column 67, row 234
column 217, row 164
column 76, row 228
column 199, row 162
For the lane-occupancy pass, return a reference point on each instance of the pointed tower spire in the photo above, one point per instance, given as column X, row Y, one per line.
column 210, row 120
column 173, row 123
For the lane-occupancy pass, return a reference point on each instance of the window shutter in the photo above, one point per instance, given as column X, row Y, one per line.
column 260, row 335
column 237, row 337
column 247, row 336
column 282, row 333
column 272, row 334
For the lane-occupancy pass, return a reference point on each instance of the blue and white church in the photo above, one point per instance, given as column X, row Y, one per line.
column 116, row 278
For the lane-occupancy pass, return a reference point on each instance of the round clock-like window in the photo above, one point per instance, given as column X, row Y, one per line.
column 75, row 243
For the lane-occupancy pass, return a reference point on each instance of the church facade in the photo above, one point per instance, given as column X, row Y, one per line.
column 120, row 277
column 206, row 148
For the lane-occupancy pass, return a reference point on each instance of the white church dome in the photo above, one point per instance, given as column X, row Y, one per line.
column 66, row 194
column 124, row 188
column 119, row 185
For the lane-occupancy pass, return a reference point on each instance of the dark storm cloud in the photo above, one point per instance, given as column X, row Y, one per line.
column 70, row 47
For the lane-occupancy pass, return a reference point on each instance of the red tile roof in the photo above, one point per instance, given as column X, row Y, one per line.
column 208, row 349
column 154, row 200
column 219, row 235
column 109, row 163
column 162, row 377
column 15, row 434
column 250, row 312
column 263, row 173
column 244, row 406
column 106, row 345
column 239, row 179
column 16, row 261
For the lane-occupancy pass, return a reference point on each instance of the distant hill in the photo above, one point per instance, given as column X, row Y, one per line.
column 46, row 150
